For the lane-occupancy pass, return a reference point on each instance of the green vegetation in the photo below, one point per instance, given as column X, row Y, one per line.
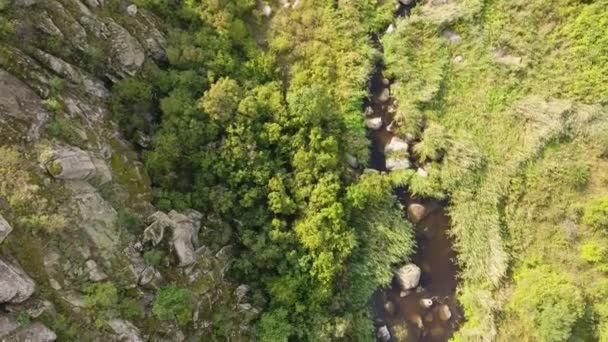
column 255, row 118
column 173, row 303
column 508, row 117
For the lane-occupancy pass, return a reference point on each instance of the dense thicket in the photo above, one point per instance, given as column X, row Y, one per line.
column 254, row 121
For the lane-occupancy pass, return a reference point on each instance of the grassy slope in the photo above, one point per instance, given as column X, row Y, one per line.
column 537, row 159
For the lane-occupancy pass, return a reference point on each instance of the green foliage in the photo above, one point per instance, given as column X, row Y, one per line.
column 548, row 300
column 61, row 129
column 596, row 214
column 130, row 221
column 153, row 257
column 131, row 105
column 100, row 295
column 274, row 326
column 221, row 100
column 594, row 252
column 173, row 303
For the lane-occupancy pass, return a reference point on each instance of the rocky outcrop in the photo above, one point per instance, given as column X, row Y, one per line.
column 125, row 331
column 184, row 236
column 96, row 274
column 34, row 332
column 397, row 163
column 70, row 162
column 21, row 110
column 5, row 229
column 145, row 275
column 96, row 217
column 7, row 325
column 408, row 276
column 126, row 50
column 15, row 285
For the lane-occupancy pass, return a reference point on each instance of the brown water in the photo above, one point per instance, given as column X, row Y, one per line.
column 434, row 255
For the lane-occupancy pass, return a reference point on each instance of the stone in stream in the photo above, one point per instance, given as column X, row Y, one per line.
column 383, row 334
column 389, row 307
column 391, row 126
column 416, row 212
column 396, row 145
column 5, row 229
column 406, row 2
column 426, row 303
column 444, row 312
column 385, row 95
column 394, row 164
column 408, row 276
column 374, row 123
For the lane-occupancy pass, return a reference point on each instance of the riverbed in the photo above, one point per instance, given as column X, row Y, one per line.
column 407, row 313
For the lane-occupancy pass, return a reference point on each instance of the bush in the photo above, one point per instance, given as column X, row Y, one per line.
column 596, row 214
column 548, row 301
column 101, row 295
column 593, row 252
column 173, row 303
column 153, row 257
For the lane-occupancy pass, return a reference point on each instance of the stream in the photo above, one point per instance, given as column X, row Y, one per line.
column 407, row 314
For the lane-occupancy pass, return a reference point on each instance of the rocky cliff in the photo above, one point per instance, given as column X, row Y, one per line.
column 75, row 260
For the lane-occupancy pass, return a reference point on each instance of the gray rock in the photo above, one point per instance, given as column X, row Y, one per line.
column 126, row 50
column 383, row 334
column 25, row 3
column 458, row 59
column 422, row 172
column 500, row 56
column 96, row 274
column 5, row 229
column 396, row 163
column 396, row 145
column 35, row 332
column 34, row 308
column 155, row 232
column 266, row 10
column 385, row 95
column 132, row 10
column 21, row 110
column 451, row 36
column 444, row 312
column 97, row 218
column 369, row 111
column 7, row 325
column 70, row 162
column 144, row 275
column 241, row 292
column 390, row 29
column 15, row 285
column 125, row 331
column 374, row 123
column 407, row 2
column 351, row 160
column 92, row 3
column 408, row 276
column 416, row 212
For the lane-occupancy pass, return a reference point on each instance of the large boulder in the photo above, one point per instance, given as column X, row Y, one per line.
column 5, row 229
column 398, row 163
column 374, row 123
column 7, row 325
column 34, row 332
column 125, row 331
column 97, row 218
column 408, row 276
column 397, row 145
column 185, row 234
column 416, row 212
column 384, row 334
column 70, row 162
column 126, row 50
column 15, row 285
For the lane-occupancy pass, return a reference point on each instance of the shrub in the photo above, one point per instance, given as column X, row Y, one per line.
column 593, row 252
column 101, row 295
column 548, row 301
column 596, row 214
column 153, row 257
column 173, row 303
column 130, row 222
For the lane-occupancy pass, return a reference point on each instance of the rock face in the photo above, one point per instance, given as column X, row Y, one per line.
column 15, row 285
column 127, row 51
column 5, row 229
column 97, row 218
column 35, row 332
column 21, row 110
column 7, row 325
column 69, row 162
column 125, row 331
column 408, row 276
column 185, row 232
